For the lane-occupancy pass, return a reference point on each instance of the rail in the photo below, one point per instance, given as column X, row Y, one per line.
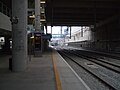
column 100, row 73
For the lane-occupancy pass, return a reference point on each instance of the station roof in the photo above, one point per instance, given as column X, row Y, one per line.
column 80, row 12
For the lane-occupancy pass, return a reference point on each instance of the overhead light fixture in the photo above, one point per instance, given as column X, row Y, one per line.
column 32, row 37
column 42, row 20
column 42, row 2
column 33, row 16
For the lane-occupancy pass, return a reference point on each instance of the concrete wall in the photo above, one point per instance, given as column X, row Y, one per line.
column 77, row 37
column 105, row 38
column 5, row 22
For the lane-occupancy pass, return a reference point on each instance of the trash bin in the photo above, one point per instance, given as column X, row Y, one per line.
column 10, row 64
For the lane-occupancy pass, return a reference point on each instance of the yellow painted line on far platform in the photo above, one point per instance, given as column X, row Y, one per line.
column 56, row 73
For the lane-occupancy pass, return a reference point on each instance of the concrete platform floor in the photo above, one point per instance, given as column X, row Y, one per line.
column 39, row 75
column 49, row 72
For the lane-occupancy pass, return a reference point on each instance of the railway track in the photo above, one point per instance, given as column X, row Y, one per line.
column 109, row 65
column 104, row 58
column 102, row 73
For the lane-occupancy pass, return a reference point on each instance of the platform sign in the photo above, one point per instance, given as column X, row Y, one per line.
column 37, row 41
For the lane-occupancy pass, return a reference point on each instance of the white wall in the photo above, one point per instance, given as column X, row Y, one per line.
column 5, row 22
column 76, row 36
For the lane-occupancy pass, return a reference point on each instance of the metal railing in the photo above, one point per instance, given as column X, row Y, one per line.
column 5, row 10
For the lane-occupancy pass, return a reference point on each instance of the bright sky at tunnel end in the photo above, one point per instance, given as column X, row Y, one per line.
column 57, row 29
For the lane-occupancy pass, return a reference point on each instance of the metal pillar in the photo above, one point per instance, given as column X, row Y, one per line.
column 70, row 32
column 61, row 32
column 51, row 30
column 81, row 31
column 46, row 29
column 19, row 35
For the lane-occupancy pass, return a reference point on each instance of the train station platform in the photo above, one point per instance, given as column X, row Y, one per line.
column 49, row 72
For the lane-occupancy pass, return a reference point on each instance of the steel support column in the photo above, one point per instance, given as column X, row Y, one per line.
column 70, row 32
column 51, row 30
column 46, row 29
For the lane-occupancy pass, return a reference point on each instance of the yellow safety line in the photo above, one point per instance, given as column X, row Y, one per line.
column 56, row 73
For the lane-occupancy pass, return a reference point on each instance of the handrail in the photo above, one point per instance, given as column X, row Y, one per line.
column 4, row 9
